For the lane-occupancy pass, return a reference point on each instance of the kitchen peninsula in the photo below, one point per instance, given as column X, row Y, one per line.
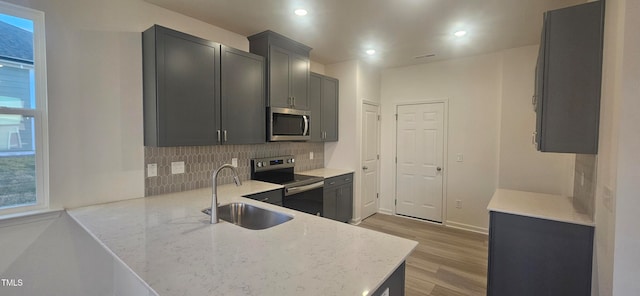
column 170, row 245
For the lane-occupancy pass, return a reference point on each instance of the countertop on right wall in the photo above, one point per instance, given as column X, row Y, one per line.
column 538, row 205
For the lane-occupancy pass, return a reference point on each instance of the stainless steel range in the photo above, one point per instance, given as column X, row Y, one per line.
column 301, row 192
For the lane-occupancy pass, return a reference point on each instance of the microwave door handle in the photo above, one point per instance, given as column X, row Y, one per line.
column 306, row 125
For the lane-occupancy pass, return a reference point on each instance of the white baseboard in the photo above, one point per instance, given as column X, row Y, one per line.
column 385, row 211
column 466, row 227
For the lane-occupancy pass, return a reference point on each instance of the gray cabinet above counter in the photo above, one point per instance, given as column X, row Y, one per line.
column 198, row 92
column 323, row 97
column 287, row 69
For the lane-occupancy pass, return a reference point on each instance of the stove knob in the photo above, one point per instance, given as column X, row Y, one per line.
column 259, row 164
column 293, row 160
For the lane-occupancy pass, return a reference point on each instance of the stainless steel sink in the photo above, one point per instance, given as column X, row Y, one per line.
column 248, row 216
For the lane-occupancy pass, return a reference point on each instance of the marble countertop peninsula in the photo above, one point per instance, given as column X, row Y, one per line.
column 169, row 244
column 537, row 205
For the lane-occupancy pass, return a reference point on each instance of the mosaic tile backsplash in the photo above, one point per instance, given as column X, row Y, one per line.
column 201, row 161
column 584, row 191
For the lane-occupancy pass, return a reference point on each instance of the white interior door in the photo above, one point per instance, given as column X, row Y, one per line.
column 370, row 172
column 420, row 154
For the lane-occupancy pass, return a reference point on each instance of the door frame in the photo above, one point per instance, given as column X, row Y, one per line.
column 445, row 156
column 360, row 164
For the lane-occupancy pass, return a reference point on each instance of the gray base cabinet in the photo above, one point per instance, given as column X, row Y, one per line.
column 323, row 99
column 338, row 198
column 532, row 256
column 394, row 284
column 272, row 197
column 287, row 69
column 198, row 92
column 568, row 78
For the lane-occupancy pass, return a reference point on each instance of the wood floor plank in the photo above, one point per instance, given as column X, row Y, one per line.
column 447, row 261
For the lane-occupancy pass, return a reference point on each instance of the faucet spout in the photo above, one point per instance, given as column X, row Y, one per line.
column 214, row 189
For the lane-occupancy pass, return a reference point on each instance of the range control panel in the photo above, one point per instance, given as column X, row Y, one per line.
column 272, row 163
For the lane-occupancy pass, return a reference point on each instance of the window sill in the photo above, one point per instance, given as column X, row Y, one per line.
column 29, row 216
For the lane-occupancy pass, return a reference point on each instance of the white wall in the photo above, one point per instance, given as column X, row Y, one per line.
column 358, row 81
column 617, row 261
column 490, row 123
column 472, row 86
column 521, row 166
column 94, row 61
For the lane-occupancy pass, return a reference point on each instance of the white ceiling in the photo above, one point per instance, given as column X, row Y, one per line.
column 399, row 30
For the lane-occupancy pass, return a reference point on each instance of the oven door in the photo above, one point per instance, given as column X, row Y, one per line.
column 306, row 198
column 288, row 124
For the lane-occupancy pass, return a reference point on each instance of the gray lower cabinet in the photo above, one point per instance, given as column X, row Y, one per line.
column 532, row 256
column 568, row 79
column 198, row 92
column 323, row 100
column 394, row 285
column 287, row 69
column 272, row 197
column 337, row 201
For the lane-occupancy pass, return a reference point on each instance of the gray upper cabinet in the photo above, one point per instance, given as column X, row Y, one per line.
column 323, row 101
column 287, row 69
column 242, row 101
column 181, row 86
column 568, row 78
column 198, row 92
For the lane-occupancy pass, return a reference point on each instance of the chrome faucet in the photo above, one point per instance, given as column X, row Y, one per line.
column 214, row 197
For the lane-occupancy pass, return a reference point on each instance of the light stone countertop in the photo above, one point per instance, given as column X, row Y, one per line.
column 170, row 245
column 537, row 205
column 326, row 172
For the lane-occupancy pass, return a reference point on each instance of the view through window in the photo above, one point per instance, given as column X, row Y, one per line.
column 21, row 170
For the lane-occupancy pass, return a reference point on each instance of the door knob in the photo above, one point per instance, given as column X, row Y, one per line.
column 439, row 169
column 365, row 168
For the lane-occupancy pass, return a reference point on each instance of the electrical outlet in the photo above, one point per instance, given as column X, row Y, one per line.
column 459, row 157
column 458, row 204
column 311, row 155
column 234, row 162
column 152, row 170
column 177, row 167
column 385, row 293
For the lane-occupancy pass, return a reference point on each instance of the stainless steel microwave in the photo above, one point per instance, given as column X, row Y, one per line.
column 288, row 124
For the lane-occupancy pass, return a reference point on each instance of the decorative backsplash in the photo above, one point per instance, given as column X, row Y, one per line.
column 584, row 191
column 201, row 161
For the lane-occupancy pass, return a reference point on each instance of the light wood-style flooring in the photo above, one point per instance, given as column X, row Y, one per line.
column 446, row 261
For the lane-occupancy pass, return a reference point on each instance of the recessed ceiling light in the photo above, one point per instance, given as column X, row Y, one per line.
column 370, row 51
column 460, row 33
column 300, row 12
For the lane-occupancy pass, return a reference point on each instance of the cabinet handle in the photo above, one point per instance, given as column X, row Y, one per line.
column 533, row 139
column 218, row 132
column 294, row 101
column 347, row 180
column 225, row 135
column 265, row 199
column 534, row 102
column 331, row 183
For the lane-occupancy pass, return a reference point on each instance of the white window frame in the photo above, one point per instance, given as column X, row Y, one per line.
column 40, row 113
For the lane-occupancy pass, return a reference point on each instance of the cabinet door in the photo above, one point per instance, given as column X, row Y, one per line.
column 187, row 89
column 569, row 113
column 299, row 81
column 344, row 205
column 329, row 202
column 279, row 77
column 330, row 109
column 242, row 101
column 315, row 106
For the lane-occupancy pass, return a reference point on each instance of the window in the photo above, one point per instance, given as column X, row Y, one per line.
column 23, row 110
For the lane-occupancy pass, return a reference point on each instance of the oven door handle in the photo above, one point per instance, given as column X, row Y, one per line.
column 298, row 189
